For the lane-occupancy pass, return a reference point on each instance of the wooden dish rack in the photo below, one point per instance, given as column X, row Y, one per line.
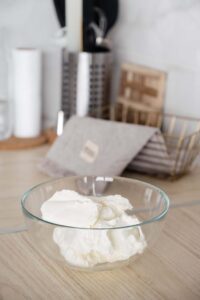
column 174, row 152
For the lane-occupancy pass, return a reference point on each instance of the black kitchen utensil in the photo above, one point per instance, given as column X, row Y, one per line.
column 111, row 9
column 60, row 11
column 96, row 12
column 94, row 32
column 88, row 17
column 102, row 19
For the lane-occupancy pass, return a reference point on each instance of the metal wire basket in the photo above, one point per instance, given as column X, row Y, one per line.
column 172, row 151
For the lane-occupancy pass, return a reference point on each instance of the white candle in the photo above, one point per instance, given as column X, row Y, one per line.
column 27, row 92
column 74, row 23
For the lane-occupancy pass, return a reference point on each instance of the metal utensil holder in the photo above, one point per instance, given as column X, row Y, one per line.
column 95, row 77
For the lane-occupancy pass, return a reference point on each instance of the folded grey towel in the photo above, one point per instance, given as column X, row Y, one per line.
column 91, row 146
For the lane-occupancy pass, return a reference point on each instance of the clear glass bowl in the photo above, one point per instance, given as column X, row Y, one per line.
column 150, row 206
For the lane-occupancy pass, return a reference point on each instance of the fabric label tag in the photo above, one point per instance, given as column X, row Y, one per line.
column 89, row 152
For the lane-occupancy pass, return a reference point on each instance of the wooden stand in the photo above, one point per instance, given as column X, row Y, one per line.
column 14, row 143
column 142, row 89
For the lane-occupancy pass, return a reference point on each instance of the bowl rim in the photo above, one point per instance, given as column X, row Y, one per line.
column 158, row 217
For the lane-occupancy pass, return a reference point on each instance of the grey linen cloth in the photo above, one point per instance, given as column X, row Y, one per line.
column 91, row 146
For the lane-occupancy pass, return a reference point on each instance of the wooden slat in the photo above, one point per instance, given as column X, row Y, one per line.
column 171, row 126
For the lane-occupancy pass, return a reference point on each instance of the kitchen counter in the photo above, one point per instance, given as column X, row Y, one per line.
column 169, row 270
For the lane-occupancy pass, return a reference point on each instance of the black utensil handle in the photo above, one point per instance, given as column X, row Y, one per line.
column 60, row 11
column 111, row 10
column 88, row 35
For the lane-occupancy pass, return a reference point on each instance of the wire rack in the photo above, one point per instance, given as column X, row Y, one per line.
column 171, row 151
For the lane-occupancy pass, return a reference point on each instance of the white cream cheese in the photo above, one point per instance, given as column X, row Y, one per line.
column 87, row 247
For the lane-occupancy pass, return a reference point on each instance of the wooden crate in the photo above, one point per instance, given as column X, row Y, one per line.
column 142, row 89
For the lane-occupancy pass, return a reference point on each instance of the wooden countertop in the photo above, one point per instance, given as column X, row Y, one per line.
column 170, row 270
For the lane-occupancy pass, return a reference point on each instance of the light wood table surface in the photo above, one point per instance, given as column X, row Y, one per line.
column 170, row 270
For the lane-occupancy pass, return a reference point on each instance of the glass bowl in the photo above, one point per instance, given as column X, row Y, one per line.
column 105, row 246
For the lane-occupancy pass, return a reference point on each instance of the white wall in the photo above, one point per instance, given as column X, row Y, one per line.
column 164, row 35
column 161, row 34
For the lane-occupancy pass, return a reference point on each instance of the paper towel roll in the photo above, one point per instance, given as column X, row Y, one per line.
column 27, row 67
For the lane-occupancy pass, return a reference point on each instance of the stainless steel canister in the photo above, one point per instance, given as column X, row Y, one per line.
column 86, row 82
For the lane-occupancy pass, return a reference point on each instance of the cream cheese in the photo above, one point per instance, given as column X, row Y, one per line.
column 88, row 247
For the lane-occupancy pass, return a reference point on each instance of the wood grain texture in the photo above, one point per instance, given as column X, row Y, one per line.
column 141, row 87
column 14, row 143
column 170, row 270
